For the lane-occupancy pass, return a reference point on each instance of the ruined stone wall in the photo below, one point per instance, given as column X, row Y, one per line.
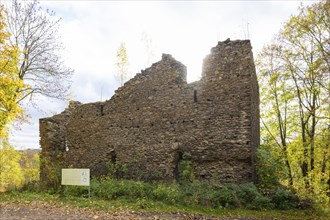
column 53, row 145
column 156, row 120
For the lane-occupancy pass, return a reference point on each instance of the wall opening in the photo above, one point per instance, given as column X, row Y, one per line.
column 195, row 95
column 113, row 157
column 112, row 170
column 101, row 108
column 178, row 160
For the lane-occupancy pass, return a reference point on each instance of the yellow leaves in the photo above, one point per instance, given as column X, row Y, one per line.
column 10, row 83
column 17, row 168
column 3, row 33
column 10, row 171
column 30, row 165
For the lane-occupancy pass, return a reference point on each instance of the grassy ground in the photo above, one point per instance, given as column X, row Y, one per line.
column 144, row 205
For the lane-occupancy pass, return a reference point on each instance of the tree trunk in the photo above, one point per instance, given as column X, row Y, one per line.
column 287, row 163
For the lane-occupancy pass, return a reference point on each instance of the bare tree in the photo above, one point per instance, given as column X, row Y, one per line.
column 35, row 32
column 148, row 50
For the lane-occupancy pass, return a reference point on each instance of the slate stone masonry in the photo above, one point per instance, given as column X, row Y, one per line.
column 157, row 119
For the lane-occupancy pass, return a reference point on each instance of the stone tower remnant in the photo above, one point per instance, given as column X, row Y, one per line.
column 157, row 120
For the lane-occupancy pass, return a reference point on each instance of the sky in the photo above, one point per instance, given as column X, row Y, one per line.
column 91, row 32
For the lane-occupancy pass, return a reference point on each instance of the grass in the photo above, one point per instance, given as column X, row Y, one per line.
column 145, row 205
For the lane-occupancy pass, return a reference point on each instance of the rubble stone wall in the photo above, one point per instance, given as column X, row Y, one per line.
column 157, row 119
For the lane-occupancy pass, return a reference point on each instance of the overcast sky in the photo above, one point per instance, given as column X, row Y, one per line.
column 91, row 32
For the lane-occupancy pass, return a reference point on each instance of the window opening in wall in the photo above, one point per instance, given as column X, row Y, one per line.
column 112, row 165
column 102, row 113
column 178, row 160
column 195, row 95
column 113, row 157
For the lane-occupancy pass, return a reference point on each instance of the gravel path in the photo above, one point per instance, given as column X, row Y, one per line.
column 37, row 211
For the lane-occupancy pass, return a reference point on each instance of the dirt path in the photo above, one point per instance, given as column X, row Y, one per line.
column 37, row 211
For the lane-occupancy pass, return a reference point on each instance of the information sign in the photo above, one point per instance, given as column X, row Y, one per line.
column 77, row 177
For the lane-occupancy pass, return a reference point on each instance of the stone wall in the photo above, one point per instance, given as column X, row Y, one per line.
column 156, row 120
column 53, row 145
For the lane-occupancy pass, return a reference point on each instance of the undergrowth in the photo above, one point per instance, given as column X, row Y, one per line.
column 196, row 197
column 230, row 196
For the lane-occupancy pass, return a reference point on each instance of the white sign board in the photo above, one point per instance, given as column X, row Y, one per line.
column 77, row 177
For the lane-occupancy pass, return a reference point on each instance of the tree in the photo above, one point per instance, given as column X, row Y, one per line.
column 10, row 109
column 275, row 101
column 148, row 51
column 35, row 33
column 11, row 175
column 306, row 50
column 295, row 81
column 30, row 165
column 122, row 64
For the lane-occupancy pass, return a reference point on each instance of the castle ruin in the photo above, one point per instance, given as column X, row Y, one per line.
column 157, row 120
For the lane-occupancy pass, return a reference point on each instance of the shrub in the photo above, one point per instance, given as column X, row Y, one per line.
column 186, row 172
column 224, row 198
column 194, row 193
column 269, row 167
column 284, row 199
column 81, row 191
column 32, row 186
column 143, row 203
column 245, row 196
column 260, row 203
column 170, row 194
column 108, row 188
column 245, row 193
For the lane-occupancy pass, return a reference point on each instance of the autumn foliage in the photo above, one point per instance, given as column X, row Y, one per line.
column 10, row 109
column 294, row 79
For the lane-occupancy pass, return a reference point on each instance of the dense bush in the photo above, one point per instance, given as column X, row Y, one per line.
column 284, row 199
column 170, row 194
column 108, row 188
column 80, row 191
column 246, row 196
column 32, row 186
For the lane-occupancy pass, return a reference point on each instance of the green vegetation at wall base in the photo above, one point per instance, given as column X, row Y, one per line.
column 144, row 205
column 199, row 198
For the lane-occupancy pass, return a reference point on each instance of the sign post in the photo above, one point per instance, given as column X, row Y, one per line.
column 76, row 177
